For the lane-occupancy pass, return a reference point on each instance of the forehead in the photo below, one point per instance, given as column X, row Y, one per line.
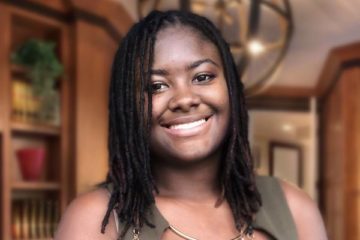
column 180, row 42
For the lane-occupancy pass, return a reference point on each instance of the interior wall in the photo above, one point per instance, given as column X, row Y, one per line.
column 312, row 172
column 94, row 55
column 260, row 142
column 130, row 6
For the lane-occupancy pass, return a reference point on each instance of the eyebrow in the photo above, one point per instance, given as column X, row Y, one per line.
column 163, row 72
column 199, row 62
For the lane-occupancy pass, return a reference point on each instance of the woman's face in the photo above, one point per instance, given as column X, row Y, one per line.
column 190, row 102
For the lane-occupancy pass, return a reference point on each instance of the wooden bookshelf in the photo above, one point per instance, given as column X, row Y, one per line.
column 19, row 25
column 36, row 186
column 28, row 128
column 87, row 37
column 18, row 70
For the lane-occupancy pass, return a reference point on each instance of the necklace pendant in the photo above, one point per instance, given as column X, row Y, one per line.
column 136, row 234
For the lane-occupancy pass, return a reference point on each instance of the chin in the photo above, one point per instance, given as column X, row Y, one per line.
column 190, row 155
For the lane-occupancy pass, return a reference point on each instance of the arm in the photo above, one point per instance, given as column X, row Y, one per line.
column 82, row 219
column 306, row 215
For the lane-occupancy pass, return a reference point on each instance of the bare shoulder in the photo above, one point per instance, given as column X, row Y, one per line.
column 309, row 223
column 83, row 217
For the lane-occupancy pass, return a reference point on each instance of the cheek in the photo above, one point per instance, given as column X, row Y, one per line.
column 155, row 109
column 219, row 97
column 223, row 104
column 159, row 105
column 223, row 96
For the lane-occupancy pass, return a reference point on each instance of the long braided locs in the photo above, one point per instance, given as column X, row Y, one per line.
column 130, row 108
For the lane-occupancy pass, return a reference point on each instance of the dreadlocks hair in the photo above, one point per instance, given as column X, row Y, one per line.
column 129, row 126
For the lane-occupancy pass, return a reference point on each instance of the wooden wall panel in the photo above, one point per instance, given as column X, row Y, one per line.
column 333, row 152
column 351, row 104
column 111, row 10
column 66, row 99
column 94, row 54
column 356, row 193
column 341, row 154
column 4, row 64
column 5, row 151
column 58, row 5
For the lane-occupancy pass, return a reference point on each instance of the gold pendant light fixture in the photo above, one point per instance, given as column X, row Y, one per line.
column 258, row 32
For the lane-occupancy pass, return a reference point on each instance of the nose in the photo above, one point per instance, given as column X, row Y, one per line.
column 184, row 99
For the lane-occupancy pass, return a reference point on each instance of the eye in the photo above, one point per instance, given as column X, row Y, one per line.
column 204, row 77
column 157, row 87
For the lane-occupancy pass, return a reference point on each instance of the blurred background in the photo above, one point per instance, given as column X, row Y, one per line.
column 300, row 63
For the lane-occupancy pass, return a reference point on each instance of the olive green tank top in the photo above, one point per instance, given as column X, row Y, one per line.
column 274, row 217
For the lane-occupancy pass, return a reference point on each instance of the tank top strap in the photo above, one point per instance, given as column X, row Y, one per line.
column 274, row 216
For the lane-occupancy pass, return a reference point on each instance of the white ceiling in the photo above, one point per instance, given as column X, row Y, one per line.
column 320, row 25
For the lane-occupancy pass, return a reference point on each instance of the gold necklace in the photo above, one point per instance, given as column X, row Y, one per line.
column 136, row 234
column 241, row 236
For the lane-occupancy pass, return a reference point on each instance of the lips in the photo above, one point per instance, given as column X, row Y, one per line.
column 187, row 126
column 185, row 120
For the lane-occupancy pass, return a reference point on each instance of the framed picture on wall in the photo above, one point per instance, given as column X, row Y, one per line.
column 256, row 155
column 286, row 162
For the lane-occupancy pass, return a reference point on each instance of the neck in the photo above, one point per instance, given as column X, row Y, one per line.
column 190, row 182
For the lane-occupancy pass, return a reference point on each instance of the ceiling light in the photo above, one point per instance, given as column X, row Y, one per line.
column 255, row 47
column 287, row 127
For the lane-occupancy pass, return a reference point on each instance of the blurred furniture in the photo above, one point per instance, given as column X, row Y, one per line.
column 87, row 34
column 339, row 91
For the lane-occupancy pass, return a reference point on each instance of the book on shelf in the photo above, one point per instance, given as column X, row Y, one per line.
column 56, row 217
column 41, row 219
column 33, row 230
column 34, row 218
column 29, row 108
column 25, row 220
column 48, row 218
column 25, row 105
column 16, row 221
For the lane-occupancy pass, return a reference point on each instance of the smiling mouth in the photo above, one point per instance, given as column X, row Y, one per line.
column 185, row 126
column 186, row 123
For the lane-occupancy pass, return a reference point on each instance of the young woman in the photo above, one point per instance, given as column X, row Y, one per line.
column 180, row 165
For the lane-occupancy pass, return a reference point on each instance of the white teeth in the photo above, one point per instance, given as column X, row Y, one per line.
column 188, row 125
